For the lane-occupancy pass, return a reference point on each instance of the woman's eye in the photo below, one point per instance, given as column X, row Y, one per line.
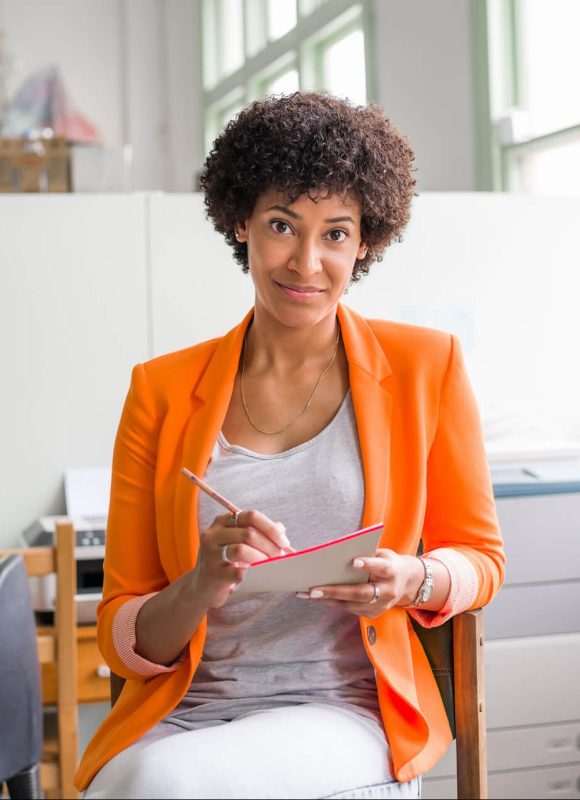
column 280, row 226
column 337, row 235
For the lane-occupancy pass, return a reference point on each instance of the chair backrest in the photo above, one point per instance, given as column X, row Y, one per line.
column 117, row 683
column 20, row 694
column 59, row 647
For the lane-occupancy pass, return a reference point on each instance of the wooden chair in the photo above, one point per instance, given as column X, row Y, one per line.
column 58, row 646
column 460, row 662
column 469, row 696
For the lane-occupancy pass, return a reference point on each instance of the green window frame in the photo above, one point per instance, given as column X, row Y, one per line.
column 319, row 25
column 499, row 93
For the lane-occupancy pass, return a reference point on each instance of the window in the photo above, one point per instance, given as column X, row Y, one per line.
column 337, row 60
column 281, row 17
column 253, row 48
column 529, row 98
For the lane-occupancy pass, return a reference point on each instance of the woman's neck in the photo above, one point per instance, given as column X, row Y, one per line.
column 273, row 346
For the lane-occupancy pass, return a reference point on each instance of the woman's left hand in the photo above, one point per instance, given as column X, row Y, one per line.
column 394, row 580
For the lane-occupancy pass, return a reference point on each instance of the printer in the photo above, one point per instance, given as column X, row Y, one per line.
column 89, row 555
column 87, row 498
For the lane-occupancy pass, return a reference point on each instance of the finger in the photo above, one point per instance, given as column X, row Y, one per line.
column 244, row 553
column 225, row 521
column 247, row 544
column 361, row 593
column 375, row 565
column 275, row 531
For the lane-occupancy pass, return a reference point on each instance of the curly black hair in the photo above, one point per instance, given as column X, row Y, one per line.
column 311, row 143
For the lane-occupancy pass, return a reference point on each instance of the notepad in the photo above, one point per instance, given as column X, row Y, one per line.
column 327, row 563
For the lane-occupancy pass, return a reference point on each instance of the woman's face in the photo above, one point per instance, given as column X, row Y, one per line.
column 301, row 254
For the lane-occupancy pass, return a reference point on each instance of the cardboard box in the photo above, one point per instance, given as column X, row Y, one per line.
column 34, row 165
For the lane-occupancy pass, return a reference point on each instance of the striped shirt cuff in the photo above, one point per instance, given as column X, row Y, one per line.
column 462, row 592
column 125, row 638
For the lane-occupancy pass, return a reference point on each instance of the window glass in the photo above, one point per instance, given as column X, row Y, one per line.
column 255, row 27
column 551, row 171
column 308, row 6
column 286, row 83
column 343, row 67
column 281, row 17
column 550, row 69
column 232, row 33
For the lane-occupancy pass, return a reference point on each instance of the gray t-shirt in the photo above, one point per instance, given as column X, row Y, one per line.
column 267, row 650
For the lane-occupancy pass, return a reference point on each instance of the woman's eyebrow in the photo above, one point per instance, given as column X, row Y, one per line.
column 285, row 210
column 290, row 213
column 340, row 219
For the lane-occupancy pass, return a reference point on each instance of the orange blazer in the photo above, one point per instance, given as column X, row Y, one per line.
column 426, row 476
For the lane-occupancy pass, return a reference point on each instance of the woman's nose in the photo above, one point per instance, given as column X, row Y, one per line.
column 306, row 258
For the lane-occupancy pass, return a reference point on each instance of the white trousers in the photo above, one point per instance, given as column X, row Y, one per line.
column 303, row 751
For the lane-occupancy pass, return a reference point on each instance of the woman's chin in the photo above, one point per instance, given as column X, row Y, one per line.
column 298, row 316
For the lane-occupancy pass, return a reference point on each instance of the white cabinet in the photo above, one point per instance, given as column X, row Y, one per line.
column 532, row 657
column 532, row 784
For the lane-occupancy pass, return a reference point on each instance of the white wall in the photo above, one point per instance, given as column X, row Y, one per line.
column 133, row 67
column 424, row 82
column 74, row 319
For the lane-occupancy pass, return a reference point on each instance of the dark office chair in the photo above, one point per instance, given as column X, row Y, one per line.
column 56, row 651
column 20, row 693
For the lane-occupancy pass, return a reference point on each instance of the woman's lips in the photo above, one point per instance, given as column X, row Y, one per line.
column 299, row 292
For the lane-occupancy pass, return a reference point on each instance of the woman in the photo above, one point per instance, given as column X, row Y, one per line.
column 317, row 422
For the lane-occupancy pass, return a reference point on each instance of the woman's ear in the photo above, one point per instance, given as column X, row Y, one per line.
column 362, row 251
column 241, row 232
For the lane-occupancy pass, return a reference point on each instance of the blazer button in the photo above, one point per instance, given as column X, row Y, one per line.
column 372, row 634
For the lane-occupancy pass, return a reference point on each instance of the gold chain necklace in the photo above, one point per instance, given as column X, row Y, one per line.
column 308, row 402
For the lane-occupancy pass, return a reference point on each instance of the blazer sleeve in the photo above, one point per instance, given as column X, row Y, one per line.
column 460, row 511
column 132, row 566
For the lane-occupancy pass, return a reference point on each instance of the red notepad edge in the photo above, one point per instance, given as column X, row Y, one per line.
column 370, row 529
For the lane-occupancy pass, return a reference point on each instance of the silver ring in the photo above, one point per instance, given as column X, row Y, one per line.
column 225, row 558
column 376, row 594
column 235, row 515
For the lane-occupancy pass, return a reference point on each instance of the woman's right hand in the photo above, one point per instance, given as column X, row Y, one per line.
column 254, row 538
column 167, row 621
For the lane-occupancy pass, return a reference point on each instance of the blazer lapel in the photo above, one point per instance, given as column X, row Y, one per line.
column 212, row 398
column 369, row 371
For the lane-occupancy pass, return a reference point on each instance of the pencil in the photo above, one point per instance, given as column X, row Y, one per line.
column 211, row 492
